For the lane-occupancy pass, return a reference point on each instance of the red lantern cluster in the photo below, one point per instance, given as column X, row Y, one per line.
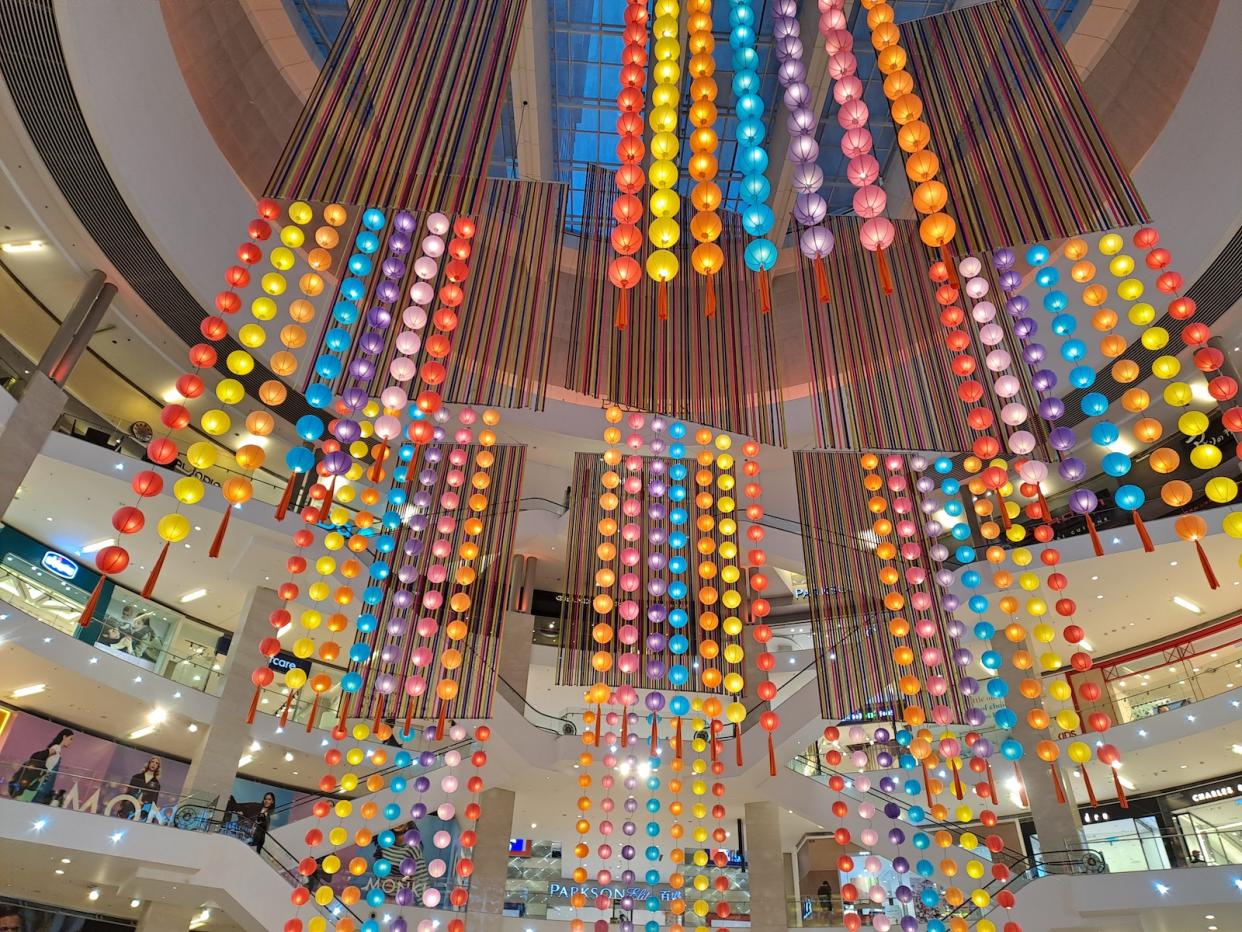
column 627, row 239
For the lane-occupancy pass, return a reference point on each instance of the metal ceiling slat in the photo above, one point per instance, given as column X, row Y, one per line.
column 33, row 66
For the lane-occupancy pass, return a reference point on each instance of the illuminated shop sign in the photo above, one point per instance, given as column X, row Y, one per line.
column 635, row 893
column 1221, row 791
column 59, row 564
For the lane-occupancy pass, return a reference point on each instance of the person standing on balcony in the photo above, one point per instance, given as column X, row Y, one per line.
column 824, row 895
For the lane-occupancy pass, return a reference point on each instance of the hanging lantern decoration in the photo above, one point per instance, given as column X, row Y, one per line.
column 810, row 208
column 705, row 226
column 663, row 229
column 752, row 157
column 937, row 229
column 759, row 608
column 624, row 271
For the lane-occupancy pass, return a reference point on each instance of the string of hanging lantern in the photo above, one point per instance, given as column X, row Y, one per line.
column 705, row 226
column 810, row 208
column 863, row 170
column 627, row 240
column 663, row 229
column 752, row 157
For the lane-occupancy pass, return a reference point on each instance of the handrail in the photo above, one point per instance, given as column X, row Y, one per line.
column 191, row 813
column 1030, row 867
column 950, row 827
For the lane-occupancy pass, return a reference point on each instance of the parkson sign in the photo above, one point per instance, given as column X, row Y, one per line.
column 617, row 893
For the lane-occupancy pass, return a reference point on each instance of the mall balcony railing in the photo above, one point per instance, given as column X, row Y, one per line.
column 1160, row 677
column 124, row 803
column 809, row 767
column 1160, row 851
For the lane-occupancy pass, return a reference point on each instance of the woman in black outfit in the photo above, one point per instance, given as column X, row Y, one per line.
column 146, row 787
column 263, row 821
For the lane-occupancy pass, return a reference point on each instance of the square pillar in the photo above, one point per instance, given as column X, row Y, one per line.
column 765, row 864
column 41, row 404
column 486, row 905
column 214, row 766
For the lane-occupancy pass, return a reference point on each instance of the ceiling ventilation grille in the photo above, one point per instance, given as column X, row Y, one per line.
column 33, row 66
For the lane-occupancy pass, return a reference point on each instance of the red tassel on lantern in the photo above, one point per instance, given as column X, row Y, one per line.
column 409, row 715
column 1004, row 512
column 344, row 713
column 1086, row 780
column 149, row 587
column 254, row 705
column 1056, row 783
column 957, row 782
column 376, row 472
column 1121, row 790
column 713, row 744
column 655, row 735
column 709, row 304
column 310, row 722
column 821, row 280
column 1095, row 537
column 771, row 756
column 379, row 714
column 625, row 728
column 926, row 783
column 1139, row 526
column 991, row 783
column 886, row 277
column 765, row 293
column 284, row 712
column 283, row 508
column 1213, row 582
column 1043, row 503
column 662, row 301
column 737, row 743
column 678, row 738
column 599, row 724
column 441, row 720
column 88, row 610
column 218, row 541
column 623, row 309
column 947, row 258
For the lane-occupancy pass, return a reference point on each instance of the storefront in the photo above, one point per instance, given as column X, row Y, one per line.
column 1208, row 821
column 1128, row 839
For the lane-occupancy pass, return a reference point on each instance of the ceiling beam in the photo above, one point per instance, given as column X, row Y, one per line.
column 531, row 87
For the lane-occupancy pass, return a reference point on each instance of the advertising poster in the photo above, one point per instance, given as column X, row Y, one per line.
column 45, row 762
column 409, row 857
column 252, row 800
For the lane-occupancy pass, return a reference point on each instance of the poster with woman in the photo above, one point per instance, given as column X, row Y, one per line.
column 45, row 762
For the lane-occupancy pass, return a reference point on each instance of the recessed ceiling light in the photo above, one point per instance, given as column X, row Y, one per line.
column 30, row 245
column 32, row 690
column 1187, row 604
column 135, row 903
column 288, row 757
column 142, row 732
column 93, row 895
column 66, row 860
column 245, row 759
column 98, row 545
column 59, row 870
column 193, row 594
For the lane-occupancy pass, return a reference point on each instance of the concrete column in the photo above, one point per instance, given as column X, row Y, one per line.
column 225, row 740
column 166, row 917
column 1057, row 824
column 513, row 664
column 42, row 402
column 77, row 346
column 766, row 865
column 72, row 323
column 491, row 861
